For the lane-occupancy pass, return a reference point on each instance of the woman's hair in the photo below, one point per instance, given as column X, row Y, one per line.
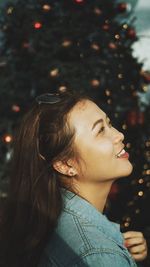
column 34, row 200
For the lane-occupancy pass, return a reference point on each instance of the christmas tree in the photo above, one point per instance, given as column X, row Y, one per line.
column 52, row 46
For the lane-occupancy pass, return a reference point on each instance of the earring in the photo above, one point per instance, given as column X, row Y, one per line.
column 71, row 173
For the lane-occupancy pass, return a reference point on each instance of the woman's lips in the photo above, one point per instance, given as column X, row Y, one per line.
column 122, row 154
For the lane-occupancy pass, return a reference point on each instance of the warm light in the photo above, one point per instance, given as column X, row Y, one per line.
column 125, row 26
column 126, row 224
column 107, row 92
column 128, row 219
column 140, row 193
column 37, row 25
column 95, row 46
column 147, row 172
column 105, row 27
column 120, row 76
column 128, row 145
column 95, row 82
column 54, row 72
column 109, row 101
column 8, row 138
column 145, row 88
column 66, row 43
column 46, row 7
column 97, row 11
column 147, row 143
column 117, row 36
column 124, row 126
column 62, row 88
column 10, row 10
column 141, row 181
column 112, row 45
column 15, row 108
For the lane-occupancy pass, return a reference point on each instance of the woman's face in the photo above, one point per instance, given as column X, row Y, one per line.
column 98, row 144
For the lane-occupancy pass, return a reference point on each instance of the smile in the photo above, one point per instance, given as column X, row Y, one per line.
column 122, row 154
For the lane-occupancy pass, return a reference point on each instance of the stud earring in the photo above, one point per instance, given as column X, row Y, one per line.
column 71, row 173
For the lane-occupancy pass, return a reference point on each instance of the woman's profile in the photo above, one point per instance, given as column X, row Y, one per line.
column 66, row 156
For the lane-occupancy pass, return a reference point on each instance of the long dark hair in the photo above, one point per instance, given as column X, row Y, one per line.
column 34, row 200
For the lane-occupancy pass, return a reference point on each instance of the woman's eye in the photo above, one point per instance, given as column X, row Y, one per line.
column 110, row 124
column 101, row 130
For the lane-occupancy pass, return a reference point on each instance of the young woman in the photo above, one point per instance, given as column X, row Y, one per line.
column 66, row 157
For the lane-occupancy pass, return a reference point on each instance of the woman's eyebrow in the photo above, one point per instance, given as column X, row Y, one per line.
column 97, row 122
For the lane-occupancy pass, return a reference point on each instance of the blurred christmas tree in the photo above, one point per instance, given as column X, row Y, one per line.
column 52, row 46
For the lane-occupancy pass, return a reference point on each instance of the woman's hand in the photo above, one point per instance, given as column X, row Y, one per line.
column 136, row 244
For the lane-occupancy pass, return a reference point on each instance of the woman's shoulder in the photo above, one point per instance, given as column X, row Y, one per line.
column 75, row 239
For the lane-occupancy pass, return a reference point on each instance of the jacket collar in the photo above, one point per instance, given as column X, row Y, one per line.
column 87, row 212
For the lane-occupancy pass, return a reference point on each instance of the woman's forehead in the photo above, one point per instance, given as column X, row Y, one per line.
column 85, row 113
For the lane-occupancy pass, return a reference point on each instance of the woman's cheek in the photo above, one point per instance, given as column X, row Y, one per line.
column 106, row 148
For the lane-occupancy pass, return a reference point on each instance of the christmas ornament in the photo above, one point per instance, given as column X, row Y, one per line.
column 122, row 7
column 131, row 33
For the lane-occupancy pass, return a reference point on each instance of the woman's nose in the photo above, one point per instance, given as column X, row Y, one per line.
column 118, row 136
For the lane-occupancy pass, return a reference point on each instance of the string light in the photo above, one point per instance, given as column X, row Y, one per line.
column 125, row 26
column 54, row 72
column 141, row 181
column 140, row 193
column 147, row 172
column 109, row 101
column 126, row 224
column 144, row 88
column 97, row 11
column 105, row 27
column 124, row 126
column 62, row 88
column 147, row 143
column 8, row 138
column 10, row 10
column 120, row 76
column 137, row 211
column 66, row 43
column 15, row 108
column 112, row 45
column 95, row 46
column 37, row 25
column 117, row 36
column 128, row 145
column 95, row 82
column 107, row 92
column 46, row 7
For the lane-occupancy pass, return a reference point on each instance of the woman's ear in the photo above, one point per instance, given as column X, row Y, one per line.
column 64, row 168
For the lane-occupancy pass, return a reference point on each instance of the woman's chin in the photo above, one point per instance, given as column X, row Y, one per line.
column 128, row 169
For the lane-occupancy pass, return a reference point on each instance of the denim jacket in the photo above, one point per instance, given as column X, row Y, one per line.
column 85, row 238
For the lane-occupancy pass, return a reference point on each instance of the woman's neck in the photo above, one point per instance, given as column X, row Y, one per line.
column 94, row 193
